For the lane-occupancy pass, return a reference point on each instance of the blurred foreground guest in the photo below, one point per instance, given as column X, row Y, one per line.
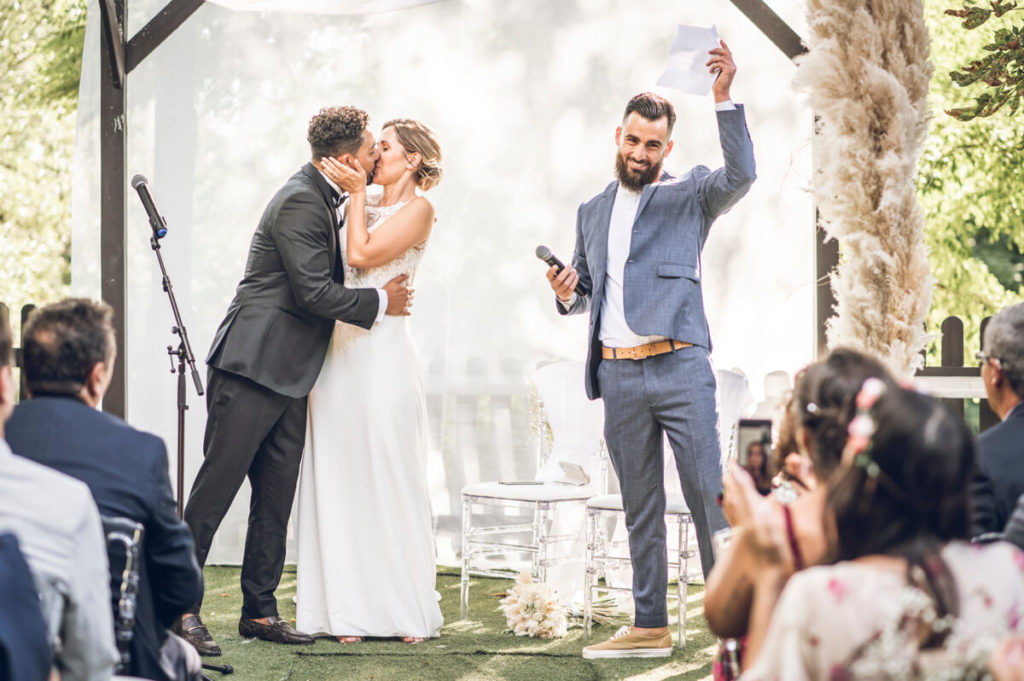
column 58, row 528
column 999, row 479
column 69, row 352
column 909, row 597
column 817, row 415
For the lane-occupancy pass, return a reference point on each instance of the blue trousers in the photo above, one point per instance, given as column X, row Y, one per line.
column 644, row 399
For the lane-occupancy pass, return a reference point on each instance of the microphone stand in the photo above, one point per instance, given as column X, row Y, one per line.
column 184, row 354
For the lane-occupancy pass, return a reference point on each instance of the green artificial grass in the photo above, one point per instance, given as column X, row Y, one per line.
column 477, row 649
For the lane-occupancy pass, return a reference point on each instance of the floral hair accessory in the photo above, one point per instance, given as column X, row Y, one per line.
column 862, row 427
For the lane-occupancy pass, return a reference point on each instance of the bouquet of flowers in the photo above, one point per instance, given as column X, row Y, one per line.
column 532, row 609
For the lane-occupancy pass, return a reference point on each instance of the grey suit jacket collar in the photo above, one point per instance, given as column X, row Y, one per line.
column 604, row 214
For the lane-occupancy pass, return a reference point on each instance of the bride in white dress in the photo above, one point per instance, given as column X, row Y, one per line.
column 366, row 557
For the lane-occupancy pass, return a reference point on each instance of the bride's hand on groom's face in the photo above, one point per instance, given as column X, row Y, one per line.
column 351, row 178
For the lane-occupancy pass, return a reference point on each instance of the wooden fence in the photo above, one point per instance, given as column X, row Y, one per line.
column 951, row 357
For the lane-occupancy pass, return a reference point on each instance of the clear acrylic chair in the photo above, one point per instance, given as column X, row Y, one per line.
column 605, row 553
column 513, row 520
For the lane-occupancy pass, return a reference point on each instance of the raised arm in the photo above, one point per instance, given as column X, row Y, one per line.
column 720, row 190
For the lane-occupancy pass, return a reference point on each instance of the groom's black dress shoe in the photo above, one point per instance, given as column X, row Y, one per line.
column 278, row 631
column 195, row 632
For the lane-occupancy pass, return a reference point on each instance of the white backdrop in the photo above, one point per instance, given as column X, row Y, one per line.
column 525, row 97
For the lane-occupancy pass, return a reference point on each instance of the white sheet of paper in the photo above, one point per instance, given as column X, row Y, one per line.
column 686, row 70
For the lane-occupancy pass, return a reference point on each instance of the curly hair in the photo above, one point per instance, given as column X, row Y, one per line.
column 418, row 138
column 336, row 130
column 63, row 342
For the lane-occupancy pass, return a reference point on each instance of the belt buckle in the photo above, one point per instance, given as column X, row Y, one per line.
column 643, row 351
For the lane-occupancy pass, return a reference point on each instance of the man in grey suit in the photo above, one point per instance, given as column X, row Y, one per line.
column 637, row 262
column 265, row 358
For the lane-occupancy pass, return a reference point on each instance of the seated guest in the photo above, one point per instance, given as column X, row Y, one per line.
column 909, row 598
column 999, row 478
column 58, row 529
column 68, row 356
column 817, row 415
column 24, row 642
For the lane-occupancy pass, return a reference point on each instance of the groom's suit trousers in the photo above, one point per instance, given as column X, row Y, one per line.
column 254, row 432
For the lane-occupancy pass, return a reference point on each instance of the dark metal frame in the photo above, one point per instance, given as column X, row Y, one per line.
column 123, row 56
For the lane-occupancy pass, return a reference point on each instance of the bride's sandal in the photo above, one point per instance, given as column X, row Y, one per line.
column 413, row 639
column 350, row 639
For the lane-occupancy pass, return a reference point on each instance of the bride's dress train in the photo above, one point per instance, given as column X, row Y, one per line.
column 366, row 556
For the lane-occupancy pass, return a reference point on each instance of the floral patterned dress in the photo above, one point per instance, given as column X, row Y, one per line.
column 850, row 620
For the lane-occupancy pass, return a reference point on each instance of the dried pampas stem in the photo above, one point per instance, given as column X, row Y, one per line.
column 866, row 75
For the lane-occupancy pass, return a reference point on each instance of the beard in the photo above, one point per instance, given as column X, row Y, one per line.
column 635, row 180
column 369, row 175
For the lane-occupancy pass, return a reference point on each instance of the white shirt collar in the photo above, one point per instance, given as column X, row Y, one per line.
column 335, row 187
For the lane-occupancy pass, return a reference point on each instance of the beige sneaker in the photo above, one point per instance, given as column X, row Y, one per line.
column 627, row 644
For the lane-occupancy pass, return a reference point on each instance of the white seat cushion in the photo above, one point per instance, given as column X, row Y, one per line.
column 674, row 503
column 548, row 491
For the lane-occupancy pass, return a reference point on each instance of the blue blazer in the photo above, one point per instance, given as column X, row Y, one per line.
column 24, row 640
column 661, row 287
column 126, row 471
column 999, row 474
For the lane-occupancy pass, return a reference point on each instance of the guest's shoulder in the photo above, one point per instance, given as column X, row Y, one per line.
column 29, row 475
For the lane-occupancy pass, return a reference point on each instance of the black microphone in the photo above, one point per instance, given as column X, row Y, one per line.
column 158, row 224
column 545, row 254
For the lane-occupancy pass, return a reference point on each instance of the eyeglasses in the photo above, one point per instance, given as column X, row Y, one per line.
column 983, row 357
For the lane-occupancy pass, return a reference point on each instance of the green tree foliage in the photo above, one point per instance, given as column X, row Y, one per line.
column 971, row 189
column 40, row 63
column 1001, row 69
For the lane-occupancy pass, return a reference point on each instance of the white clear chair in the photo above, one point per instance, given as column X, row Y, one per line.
column 576, row 425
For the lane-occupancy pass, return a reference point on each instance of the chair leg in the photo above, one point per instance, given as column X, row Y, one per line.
column 588, row 576
column 684, row 575
column 464, row 577
column 542, row 542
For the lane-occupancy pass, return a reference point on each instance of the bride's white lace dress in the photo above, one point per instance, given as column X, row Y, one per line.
column 366, row 558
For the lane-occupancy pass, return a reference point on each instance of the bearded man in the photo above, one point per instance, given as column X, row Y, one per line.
column 637, row 261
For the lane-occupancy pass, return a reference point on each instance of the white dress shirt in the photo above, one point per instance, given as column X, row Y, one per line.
column 339, row 213
column 614, row 331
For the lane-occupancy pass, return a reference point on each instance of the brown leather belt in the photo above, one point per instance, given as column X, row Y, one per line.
column 642, row 351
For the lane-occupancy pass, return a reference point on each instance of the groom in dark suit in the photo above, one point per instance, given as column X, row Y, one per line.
column 637, row 259
column 265, row 358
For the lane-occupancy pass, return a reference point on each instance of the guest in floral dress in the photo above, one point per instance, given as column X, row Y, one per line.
column 908, row 597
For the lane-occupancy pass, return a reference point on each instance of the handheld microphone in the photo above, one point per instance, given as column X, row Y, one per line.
column 545, row 254
column 157, row 222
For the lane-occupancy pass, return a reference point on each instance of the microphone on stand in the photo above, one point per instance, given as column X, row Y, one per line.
column 156, row 221
column 545, row 254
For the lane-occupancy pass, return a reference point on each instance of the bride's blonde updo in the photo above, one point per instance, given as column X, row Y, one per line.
column 420, row 139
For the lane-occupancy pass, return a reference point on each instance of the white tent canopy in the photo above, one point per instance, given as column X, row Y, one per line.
column 525, row 97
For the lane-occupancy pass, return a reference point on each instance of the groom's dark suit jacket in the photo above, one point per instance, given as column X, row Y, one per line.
column 278, row 326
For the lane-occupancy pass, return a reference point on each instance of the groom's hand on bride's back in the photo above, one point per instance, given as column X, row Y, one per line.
column 399, row 296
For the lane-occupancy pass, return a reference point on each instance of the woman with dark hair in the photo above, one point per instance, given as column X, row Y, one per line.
column 817, row 415
column 909, row 598
column 757, row 466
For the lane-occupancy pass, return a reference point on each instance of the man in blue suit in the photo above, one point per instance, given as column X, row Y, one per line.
column 68, row 357
column 999, row 476
column 637, row 262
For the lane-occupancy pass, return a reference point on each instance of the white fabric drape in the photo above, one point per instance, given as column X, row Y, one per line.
column 320, row 6
column 525, row 97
